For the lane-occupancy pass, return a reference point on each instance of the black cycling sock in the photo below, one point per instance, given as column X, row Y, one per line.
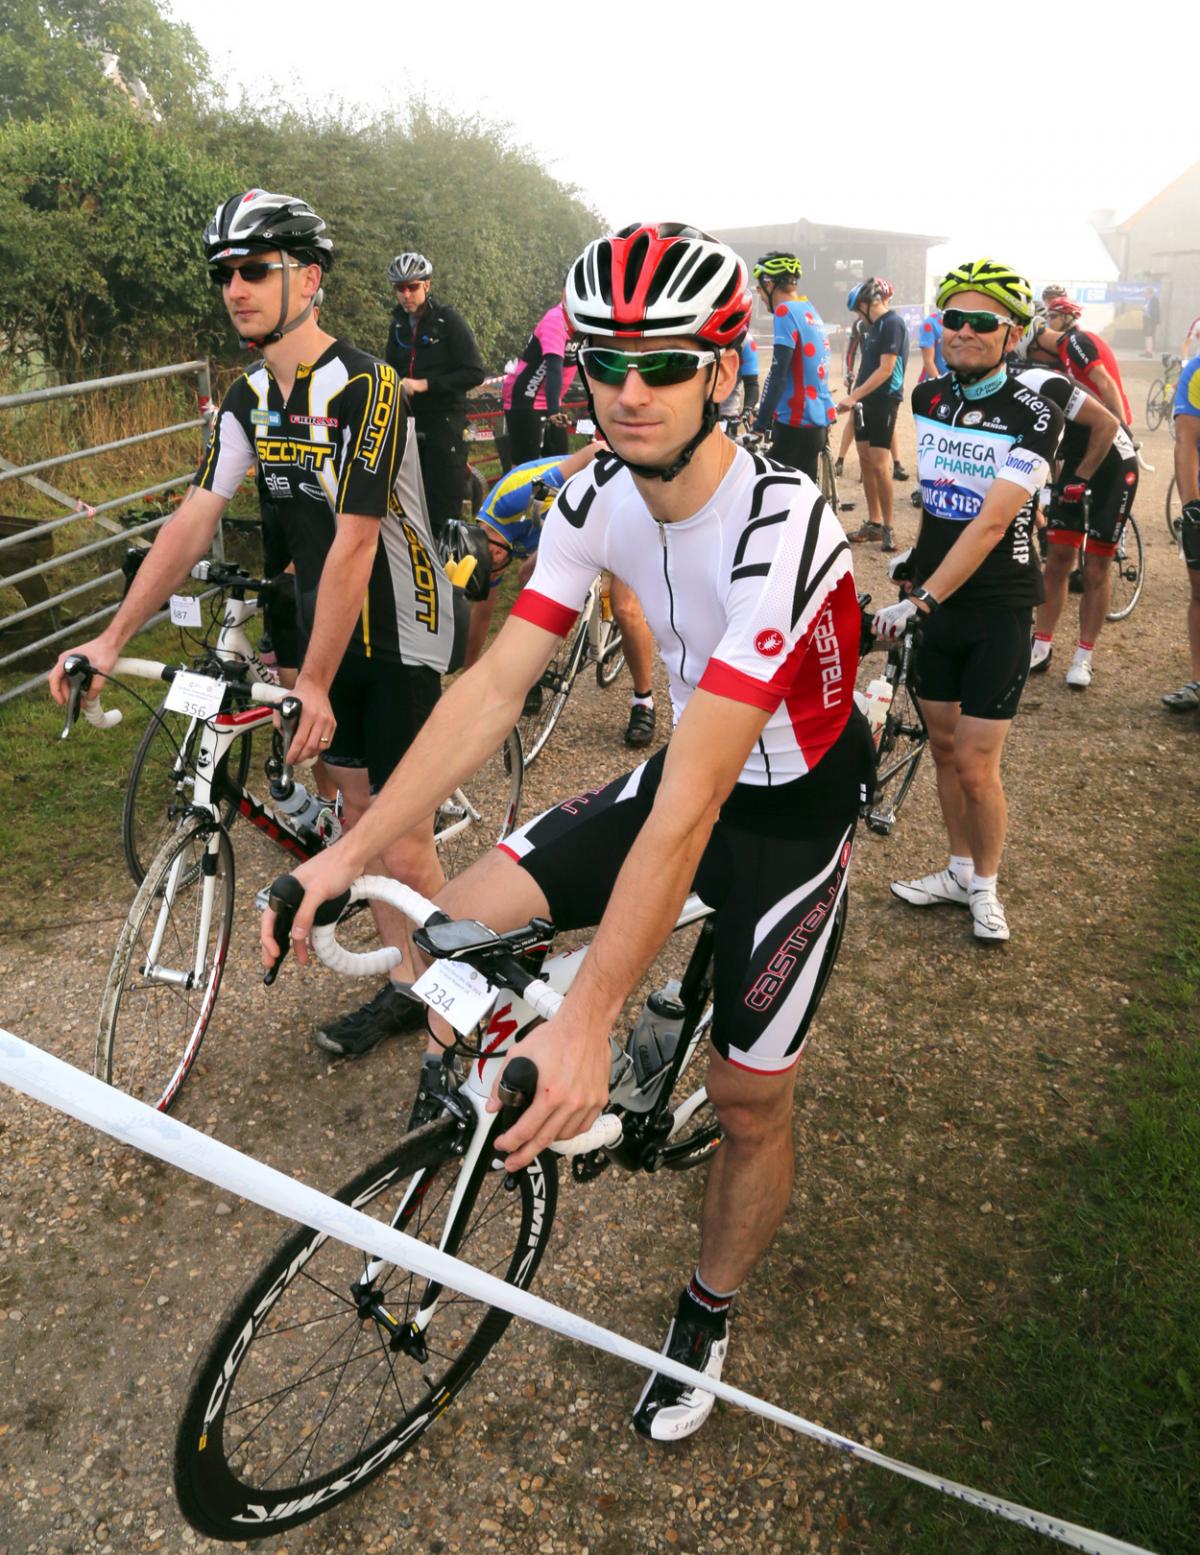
column 698, row 1304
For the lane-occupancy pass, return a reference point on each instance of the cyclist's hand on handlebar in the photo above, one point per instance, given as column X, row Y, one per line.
column 317, row 722
column 572, row 1089
column 892, row 621
column 100, row 654
column 326, row 875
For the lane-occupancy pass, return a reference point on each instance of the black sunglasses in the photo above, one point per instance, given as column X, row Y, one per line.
column 253, row 272
column 981, row 323
column 656, row 368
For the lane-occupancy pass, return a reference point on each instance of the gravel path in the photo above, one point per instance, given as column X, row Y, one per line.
column 935, row 1076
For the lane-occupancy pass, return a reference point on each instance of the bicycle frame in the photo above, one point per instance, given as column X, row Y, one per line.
column 654, row 1129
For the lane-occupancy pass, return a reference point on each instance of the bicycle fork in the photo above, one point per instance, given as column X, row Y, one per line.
column 193, row 976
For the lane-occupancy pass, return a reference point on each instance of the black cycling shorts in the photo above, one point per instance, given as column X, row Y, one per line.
column 779, row 901
column 1111, row 502
column 280, row 620
column 798, row 447
column 379, row 707
column 976, row 657
column 875, row 421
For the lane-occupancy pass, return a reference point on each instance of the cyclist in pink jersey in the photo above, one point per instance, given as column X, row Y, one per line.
column 533, row 391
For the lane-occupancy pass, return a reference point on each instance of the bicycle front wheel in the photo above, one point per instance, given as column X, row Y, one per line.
column 483, row 811
column 1174, row 515
column 332, row 1364
column 547, row 699
column 164, row 977
column 1155, row 396
column 162, row 781
column 612, row 654
column 902, row 742
column 1128, row 571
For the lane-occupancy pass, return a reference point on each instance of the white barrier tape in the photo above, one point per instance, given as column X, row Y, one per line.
column 28, row 1069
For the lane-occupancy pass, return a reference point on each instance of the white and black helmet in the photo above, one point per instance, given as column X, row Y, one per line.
column 409, row 267
column 256, row 222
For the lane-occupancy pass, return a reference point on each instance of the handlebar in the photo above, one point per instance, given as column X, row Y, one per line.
column 518, row 1083
column 80, row 673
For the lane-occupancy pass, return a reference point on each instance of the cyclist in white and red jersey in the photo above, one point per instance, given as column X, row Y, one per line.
column 1086, row 357
column 746, row 582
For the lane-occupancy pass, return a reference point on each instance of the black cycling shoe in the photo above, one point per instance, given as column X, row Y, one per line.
column 533, row 701
column 388, row 1014
column 899, row 473
column 640, row 729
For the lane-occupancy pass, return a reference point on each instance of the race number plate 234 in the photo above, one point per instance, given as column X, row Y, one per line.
column 458, row 993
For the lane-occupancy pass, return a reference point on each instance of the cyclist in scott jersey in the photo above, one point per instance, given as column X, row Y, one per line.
column 746, row 580
column 984, row 446
column 796, row 404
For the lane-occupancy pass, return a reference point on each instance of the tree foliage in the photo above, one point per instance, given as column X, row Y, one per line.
column 102, row 202
column 53, row 55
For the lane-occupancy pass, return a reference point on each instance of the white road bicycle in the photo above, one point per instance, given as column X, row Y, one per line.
column 166, row 970
column 331, row 1363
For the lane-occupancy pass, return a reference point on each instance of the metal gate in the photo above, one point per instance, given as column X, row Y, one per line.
column 28, row 546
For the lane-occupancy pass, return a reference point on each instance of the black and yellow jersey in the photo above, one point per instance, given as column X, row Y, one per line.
column 337, row 445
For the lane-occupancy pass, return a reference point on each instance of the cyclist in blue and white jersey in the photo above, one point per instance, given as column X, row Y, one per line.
column 1187, row 471
column 746, row 580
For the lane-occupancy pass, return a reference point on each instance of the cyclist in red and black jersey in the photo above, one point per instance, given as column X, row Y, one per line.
column 1092, row 496
column 746, row 581
column 1085, row 357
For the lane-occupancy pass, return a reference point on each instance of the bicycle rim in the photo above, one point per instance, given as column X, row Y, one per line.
column 1154, row 404
column 150, row 1027
column 612, row 655
column 306, row 1392
column 535, row 728
column 1128, row 572
column 161, row 785
column 481, row 812
column 1173, row 519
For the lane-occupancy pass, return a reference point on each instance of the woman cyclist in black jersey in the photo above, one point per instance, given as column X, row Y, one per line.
column 984, row 448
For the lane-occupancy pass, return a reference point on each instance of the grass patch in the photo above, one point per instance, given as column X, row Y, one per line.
column 1093, row 1391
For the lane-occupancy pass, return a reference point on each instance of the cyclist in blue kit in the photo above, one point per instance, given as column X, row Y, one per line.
column 875, row 403
column 796, row 405
column 985, row 443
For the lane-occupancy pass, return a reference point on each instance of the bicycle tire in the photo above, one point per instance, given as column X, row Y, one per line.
column 828, row 481
column 1154, row 404
column 268, row 1373
column 1174, row 520
column 482, row 811
column 149, row 1033
column 477, row 489
column 161, row 782
column 536, row 727
column 1128, row 572
column 612, row 654
column 902, row 742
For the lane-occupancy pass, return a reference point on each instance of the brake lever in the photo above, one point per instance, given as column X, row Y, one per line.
column 284, row 899
column 79, row 674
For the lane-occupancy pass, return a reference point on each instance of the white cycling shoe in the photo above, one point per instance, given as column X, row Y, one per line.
column 987, row 911
column 939, row 890
column 668, row 1410
column 1079, row 676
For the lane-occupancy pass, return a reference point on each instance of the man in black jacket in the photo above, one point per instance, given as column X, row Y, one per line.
column 432, row 348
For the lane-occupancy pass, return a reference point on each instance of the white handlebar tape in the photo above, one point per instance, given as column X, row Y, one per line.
column 100, row 717
column 352, row 963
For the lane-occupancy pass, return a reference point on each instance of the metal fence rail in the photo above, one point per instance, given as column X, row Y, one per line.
column 42, row 559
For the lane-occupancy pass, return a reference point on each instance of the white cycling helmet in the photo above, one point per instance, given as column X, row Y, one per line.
column 256, row 222
column 659, row 278
column 409, row 267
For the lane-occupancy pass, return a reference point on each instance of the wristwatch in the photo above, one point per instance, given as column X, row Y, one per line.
column 923, row 597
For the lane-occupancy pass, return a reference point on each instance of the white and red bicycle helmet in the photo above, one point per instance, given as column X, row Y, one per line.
column 659, row 278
